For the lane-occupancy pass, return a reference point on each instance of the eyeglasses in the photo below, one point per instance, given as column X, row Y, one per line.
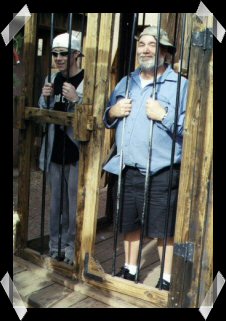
column 61, row 53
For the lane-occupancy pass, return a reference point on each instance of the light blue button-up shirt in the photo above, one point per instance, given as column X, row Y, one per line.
column 137, row 127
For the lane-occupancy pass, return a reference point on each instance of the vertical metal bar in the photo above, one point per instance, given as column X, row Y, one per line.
column 147, row 176
column 119, row 189
column 143, row 23
column 64, row 131
column 46, row 133
column 175, row 38
column 189, row 50
column 83, row 28
column 173, row 151
column 82, row 35
column 69, row 45
column 154, row 94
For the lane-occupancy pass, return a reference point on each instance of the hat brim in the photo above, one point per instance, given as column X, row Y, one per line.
column 170, row 48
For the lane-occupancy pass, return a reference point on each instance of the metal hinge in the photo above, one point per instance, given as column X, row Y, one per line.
column 87, row 274
column 185, row 250
column 203, row 39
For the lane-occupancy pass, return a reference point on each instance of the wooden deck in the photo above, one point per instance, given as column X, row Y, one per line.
column 42, row 288
column 48, row 289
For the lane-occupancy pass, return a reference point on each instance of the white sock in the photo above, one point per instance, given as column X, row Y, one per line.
column 166, row 277
column 132, row 269
column 126, row 265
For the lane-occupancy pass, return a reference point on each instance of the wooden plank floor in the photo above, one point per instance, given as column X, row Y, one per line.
column 38, row 288
column 150, row 264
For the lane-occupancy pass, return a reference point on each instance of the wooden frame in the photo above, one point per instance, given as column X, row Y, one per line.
column 195, row 195
column 194, row 212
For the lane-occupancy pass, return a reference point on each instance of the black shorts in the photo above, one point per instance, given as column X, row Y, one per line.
column 132, row 201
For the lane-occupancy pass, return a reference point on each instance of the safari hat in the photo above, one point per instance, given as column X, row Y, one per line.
column 164, row 39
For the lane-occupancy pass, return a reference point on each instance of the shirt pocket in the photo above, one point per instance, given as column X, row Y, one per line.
column 119, row 97
column 163, row 100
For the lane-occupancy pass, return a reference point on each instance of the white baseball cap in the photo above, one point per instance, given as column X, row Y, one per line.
column 62, row 40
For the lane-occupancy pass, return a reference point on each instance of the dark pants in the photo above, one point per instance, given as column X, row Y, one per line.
column 132, row 201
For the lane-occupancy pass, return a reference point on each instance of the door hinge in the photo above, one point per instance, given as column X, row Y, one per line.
column 87, row 274
column 185, row 250
column 203, row 39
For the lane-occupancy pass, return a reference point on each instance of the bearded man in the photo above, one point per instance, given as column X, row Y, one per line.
column 140, row 108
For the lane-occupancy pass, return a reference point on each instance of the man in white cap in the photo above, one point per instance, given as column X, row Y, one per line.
column 65, row 91
column 139, row 109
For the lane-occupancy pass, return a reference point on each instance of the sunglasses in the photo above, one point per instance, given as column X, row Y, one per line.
column 61, row 53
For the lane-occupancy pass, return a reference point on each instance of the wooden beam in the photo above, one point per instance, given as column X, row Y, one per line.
column 206, row 277
column 91, row 49
column 19, row 106
column 195, row 177
column 60, row 118
column 115, row 299
column 83, row 122
column 141, row 291
column 48, row 116
column 29, row 52
column 91, row 153
column 48, row 263
column 25, row 134
column 95, row 275
column 201, row 182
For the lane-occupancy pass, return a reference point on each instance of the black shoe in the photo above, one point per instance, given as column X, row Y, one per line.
column 124, row 273
column 129, row 276
column 165, row 285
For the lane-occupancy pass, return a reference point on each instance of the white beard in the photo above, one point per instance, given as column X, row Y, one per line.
column 150, row 65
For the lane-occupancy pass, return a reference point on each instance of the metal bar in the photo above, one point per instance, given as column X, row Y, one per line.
column 147, row 176
column 119, row 189
column 175, row 38
column 46, row 133
column 189, row 50
column 143, row 23
column 173, row 151
column 82, row 35
column 64, row 136
column 69, row 45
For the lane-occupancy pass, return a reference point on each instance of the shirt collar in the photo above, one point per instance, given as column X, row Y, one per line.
column 168, row 75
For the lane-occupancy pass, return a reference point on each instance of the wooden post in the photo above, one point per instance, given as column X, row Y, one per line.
column 206, row 277
column 25, row 135
column 92, row 36
column 19, row 104
column 169, row 24
column 99, row 28
column 195, row 194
